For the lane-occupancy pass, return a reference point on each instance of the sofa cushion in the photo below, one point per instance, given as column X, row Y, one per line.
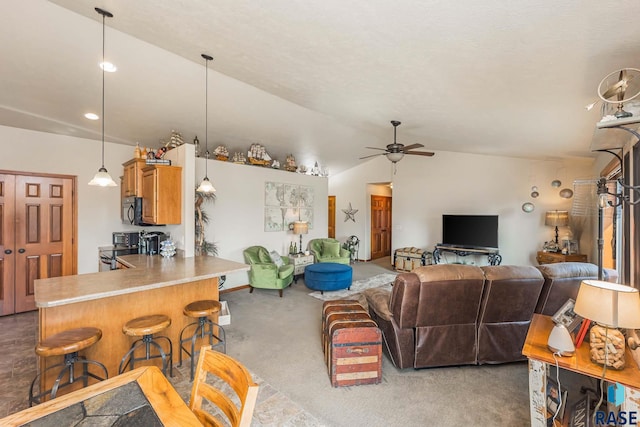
column 331, row 249
column 378, row 301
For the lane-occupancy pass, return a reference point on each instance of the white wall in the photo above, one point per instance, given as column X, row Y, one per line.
column 237, row 214
column 457, row 183
column 98, row 208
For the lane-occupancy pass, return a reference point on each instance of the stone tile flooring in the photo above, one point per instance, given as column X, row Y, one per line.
column 18, row 368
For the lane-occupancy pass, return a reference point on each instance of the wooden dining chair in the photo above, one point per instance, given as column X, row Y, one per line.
column 227, row 385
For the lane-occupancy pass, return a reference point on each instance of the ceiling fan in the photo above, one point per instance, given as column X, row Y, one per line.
column 395, row 152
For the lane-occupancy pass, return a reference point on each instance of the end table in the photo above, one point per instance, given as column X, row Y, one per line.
column 300, row 261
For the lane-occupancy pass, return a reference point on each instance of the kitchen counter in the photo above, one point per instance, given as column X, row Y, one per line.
column 145, row 273
column 107, row 300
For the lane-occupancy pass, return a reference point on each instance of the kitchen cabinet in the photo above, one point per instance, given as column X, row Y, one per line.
column 553, row 257
column 162, row 194
column 132, row 177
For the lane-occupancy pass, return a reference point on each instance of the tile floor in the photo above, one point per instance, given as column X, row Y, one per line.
column 18, row 368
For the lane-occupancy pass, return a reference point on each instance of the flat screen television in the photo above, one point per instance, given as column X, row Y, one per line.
column 470, row 231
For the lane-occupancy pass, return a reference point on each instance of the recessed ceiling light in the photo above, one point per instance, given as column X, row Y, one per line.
column 108, row 67
column 91, row 116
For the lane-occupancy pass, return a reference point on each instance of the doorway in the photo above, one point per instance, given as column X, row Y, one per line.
column 331, row 232
column 380, row 226
column 37, row 235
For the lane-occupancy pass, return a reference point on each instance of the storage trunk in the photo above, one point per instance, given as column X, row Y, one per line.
column 353, row 316
column 355, row 353
column 337, row 306
column 406, row 259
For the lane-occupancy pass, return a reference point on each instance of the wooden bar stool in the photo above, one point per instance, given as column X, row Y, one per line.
column 204, row 327
column 145, row 327
column 67, row 343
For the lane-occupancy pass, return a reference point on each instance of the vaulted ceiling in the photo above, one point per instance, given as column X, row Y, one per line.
column 320, row 80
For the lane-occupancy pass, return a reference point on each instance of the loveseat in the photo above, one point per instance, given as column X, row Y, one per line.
column 451, row 314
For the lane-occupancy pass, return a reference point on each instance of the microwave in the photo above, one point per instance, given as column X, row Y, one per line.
column 127, row 239
column 132, row 211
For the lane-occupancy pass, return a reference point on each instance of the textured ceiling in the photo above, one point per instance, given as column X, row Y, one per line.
column 490, row 77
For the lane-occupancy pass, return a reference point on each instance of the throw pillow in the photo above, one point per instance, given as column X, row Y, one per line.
column 276, row 258
column 331, row 249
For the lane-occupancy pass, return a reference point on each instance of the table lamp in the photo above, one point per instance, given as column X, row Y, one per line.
column 612, row 306
column 556, row 219
column 300, row 227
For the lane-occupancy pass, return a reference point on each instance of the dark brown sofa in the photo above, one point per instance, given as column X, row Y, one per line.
column 562, row 280
column 442, row 315
column 509, row 299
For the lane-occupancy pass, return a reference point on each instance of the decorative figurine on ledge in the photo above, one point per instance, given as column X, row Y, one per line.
column 290, row 164
column 221, row 153
column 258, row 155
column 239, row 158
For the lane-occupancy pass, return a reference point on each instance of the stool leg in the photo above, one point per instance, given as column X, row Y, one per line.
column 183, row 340
column 162, row 353
column 128, row 355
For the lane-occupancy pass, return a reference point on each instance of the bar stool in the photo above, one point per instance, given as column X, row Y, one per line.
column 145, row 327
column 67, row 343
column 204, row 328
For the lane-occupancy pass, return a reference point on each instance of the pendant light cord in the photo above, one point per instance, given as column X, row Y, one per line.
column 206, row 117
column 103, row 21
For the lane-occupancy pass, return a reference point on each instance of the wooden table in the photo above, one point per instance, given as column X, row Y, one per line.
column 539, row 355
column 553, row 257
column 140, row 397
column 107, row 300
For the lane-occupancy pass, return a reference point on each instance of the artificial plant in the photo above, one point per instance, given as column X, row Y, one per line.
column 203, row 247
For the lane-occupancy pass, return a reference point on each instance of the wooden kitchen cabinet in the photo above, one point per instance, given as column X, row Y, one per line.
column 162, row 194
column 132, row 177
column 553, row 257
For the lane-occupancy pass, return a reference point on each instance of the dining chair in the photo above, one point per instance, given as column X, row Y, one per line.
column 227, row 386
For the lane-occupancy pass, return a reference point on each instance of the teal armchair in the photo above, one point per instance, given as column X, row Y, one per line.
column 264, row 272
column 329, row 250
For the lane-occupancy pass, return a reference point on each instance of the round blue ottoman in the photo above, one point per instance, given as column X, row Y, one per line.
column 328, row 276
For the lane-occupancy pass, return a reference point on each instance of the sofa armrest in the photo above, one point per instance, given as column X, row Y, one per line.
column 378, row 301
column 345, row 253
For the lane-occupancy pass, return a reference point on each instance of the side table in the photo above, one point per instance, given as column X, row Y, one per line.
column 299, row 262
column 553, row 257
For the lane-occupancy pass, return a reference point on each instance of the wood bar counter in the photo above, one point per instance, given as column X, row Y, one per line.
column 107, row 300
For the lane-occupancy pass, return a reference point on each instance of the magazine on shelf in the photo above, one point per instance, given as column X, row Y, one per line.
column 556, row 401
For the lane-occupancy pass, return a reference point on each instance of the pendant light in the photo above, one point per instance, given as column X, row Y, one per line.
column 102, row 178
column 206, row 186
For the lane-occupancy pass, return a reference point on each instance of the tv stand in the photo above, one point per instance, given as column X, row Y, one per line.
column 493, row 255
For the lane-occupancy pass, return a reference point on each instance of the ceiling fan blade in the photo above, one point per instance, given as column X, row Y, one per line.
column 376, row 148
column 373, row 155
column 411, row 147
column 420, row 153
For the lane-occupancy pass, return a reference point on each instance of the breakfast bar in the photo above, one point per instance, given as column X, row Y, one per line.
column 107, row 300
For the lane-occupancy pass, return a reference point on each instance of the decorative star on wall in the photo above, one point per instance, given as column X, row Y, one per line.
column 350, row 214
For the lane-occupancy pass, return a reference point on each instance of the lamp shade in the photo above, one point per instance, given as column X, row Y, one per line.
column 300, row 227
column 556, row 218
column 609, row 304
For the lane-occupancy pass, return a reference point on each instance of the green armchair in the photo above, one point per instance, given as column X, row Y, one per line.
column 264, row 272
column 329, row 250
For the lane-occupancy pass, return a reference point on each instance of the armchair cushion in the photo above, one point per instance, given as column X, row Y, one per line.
column 331, row 249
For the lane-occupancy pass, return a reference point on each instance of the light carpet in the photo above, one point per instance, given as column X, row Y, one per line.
column 384, row 279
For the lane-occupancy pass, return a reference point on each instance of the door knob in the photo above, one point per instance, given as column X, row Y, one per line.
column 8, row 251
column 21, row 250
